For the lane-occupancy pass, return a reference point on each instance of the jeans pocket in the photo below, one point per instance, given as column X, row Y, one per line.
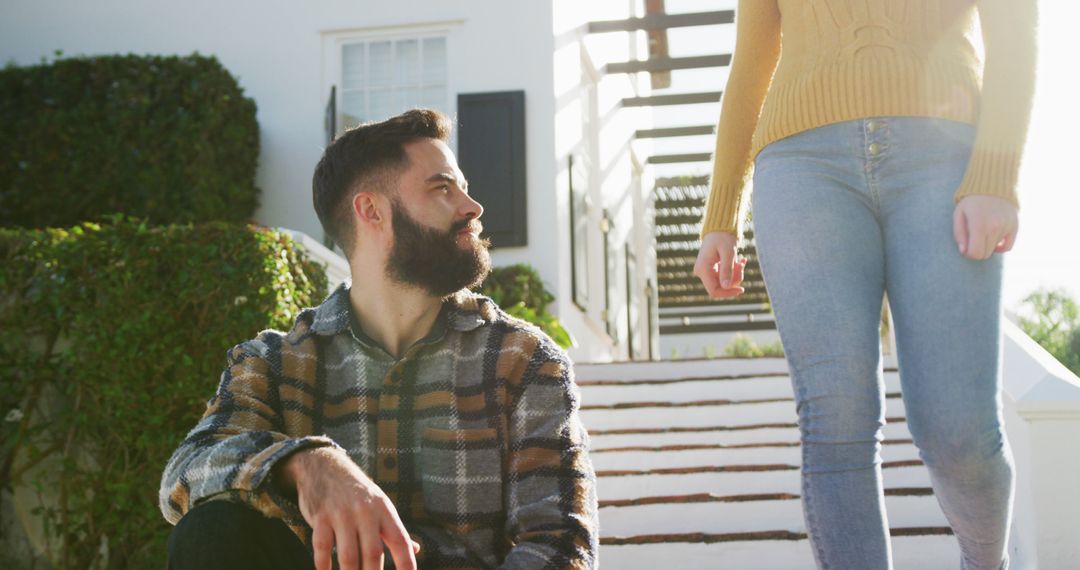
column 462, row 477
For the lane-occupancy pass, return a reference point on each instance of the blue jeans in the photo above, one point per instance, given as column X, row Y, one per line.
column 843, row 214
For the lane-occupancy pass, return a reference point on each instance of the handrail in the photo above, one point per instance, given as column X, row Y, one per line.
column 337, row 268
column 1042, row 419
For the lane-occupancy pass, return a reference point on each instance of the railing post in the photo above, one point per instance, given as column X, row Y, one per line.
column 1042, row 411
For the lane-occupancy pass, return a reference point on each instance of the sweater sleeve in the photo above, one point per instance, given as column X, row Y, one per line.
column 757, row 49
column 1008, row 29
column 230, row 454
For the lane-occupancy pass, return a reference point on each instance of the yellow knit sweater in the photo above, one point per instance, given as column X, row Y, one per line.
column 800, row 64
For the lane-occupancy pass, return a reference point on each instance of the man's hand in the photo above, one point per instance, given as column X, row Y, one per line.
column 716, row 266
column 983, row 225
column 346, row 508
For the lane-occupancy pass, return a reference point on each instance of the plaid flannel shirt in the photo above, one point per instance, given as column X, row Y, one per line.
column 473, row 434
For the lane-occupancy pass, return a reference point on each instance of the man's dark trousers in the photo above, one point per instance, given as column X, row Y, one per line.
column 223, row 535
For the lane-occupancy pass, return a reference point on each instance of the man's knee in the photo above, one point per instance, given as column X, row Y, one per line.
column 222, row 534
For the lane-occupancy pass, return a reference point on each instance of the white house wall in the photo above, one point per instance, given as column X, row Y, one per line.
column 276, row 50
column 283, row 56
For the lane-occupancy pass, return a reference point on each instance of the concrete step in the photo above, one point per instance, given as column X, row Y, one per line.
column 680, row 369
column 723, row 483
column 927, row 552
column 733, row 388
column 707, row 413
column 698, row 462
column 609, row 439
column 672, row 457
column 739, row 516
column 699, row 368
column 721, row 435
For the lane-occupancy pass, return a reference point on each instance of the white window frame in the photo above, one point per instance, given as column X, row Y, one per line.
column 335, row 41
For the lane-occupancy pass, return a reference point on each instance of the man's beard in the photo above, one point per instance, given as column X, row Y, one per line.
column 431, row 259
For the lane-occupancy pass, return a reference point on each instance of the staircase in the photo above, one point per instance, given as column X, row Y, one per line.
column 698, row 467
column 685, row 306
column 680, row 155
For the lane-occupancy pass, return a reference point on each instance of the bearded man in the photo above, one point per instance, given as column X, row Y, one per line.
column 405, row 418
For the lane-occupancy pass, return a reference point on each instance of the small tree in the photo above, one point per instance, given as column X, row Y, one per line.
column 1055, row 324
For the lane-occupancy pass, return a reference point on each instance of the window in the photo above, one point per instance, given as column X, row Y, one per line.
column 379, row 77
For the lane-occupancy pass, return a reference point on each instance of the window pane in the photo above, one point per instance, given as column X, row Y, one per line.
column 382, row 78
column 381, row 63
column 382, row 104
column 434, row 98
column 434, row 61
column 407, row 62
column 352, row 108
column 352, row 66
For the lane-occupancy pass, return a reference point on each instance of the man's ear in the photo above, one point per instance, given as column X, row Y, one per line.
column 369, row 209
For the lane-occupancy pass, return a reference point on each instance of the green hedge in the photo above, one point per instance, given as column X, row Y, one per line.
column 519, row 291
column 127, row 326
column 169, row 139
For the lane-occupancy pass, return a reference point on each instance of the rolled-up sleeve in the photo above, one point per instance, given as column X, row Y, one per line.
column 233, row 449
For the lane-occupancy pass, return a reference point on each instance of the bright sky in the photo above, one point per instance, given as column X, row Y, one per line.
column 1047, row 253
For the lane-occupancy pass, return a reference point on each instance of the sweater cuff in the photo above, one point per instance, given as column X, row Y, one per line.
column 992, row 171
column 269, row 458
column 723, row 210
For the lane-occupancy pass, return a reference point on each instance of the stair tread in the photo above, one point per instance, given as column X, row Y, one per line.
column 928, row 552
column 732, row 483
column 725, row 517
column 694, row 456
column 722, row 434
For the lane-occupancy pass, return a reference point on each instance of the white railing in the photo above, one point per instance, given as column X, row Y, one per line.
column 337, row 268
column 1042, row 417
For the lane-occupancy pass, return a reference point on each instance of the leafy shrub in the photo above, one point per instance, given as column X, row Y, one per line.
column 111, row 338
column 743, row 346
column 520, row 292
column 1055, row 324
column 169, row 139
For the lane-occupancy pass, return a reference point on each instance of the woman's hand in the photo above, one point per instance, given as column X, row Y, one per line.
column 717, row 267
column 983, row 225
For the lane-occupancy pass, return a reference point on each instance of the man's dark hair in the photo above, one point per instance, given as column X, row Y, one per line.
column 367, row 156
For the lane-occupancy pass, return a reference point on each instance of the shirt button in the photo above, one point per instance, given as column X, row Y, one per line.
column 389, row 462
column 874, row 149
column 873, row 126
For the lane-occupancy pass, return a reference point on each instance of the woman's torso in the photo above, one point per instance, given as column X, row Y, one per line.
column 850, row 59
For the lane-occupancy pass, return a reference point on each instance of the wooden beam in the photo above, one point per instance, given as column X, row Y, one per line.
column 703, row 301
column 658, row 45
column 679, row 158
column 726, row 312
column 674, row 99
column 682, row 181
column 669, row 64
column 675, row 132
column 718, row 327
column 663, row 21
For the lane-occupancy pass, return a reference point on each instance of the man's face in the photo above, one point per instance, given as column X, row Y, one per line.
column 437, row 246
